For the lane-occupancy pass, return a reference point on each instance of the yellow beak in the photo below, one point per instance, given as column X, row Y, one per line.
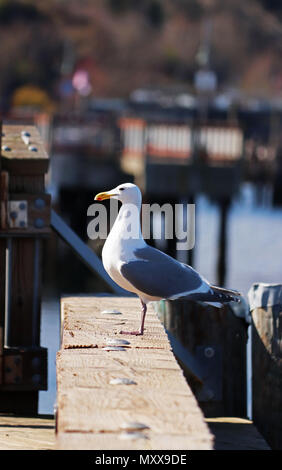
column 103, row 196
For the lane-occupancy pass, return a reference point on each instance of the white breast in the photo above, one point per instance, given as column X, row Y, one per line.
column 119, row 249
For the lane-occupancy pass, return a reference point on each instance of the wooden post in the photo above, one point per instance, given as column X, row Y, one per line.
column 191, row 253
column 266, row 311
column 222, row 243
column 210, row 344
column 25, row 220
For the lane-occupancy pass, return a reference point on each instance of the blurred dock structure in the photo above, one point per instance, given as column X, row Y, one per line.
column 170, row 152
column 171, row 161
column 126, row 136
column 158, row 141
column 24, row 224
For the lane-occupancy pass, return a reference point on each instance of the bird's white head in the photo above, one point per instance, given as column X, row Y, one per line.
column 127, row 193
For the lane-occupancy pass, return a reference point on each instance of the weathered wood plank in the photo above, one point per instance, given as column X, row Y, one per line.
column 22, row 433
column 70, row 441
column 267, row 372
column 92, row 411
column 81, row 333
column 95, row 377
column 132, row 359
column 17, row 156
column 25, row 433
column 108, row 410
column 21, row 310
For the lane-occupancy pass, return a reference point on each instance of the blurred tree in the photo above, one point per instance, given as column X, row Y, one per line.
column 29, row 53
column 128, row 40
column 120, row 6
column 193, row 9
column 152, row 9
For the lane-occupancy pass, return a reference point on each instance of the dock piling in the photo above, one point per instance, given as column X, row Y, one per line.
column 266, row 311
column 210, row 344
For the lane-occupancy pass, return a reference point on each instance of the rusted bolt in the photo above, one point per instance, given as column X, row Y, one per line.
column 13, row 215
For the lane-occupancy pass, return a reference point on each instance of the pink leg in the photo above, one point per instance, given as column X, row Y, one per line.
column 141, row 331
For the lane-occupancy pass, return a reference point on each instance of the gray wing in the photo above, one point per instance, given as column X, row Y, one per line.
column 158, row 275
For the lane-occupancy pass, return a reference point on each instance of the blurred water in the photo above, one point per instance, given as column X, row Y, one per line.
column 254, row 253
column 50, row 338
column 254, row 246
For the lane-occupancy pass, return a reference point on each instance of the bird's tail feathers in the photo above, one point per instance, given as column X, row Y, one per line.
column 226, row 295
column 214, row 304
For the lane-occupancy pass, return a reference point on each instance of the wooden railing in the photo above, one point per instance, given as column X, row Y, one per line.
column 117, row 393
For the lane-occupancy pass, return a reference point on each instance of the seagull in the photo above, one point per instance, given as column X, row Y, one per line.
column 146, row 271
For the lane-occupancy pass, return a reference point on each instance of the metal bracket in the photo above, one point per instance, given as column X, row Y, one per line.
column 17, row 214
column 26, row 215
column 24, row 369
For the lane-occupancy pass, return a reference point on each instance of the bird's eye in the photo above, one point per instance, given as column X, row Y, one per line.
column 121, row 189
